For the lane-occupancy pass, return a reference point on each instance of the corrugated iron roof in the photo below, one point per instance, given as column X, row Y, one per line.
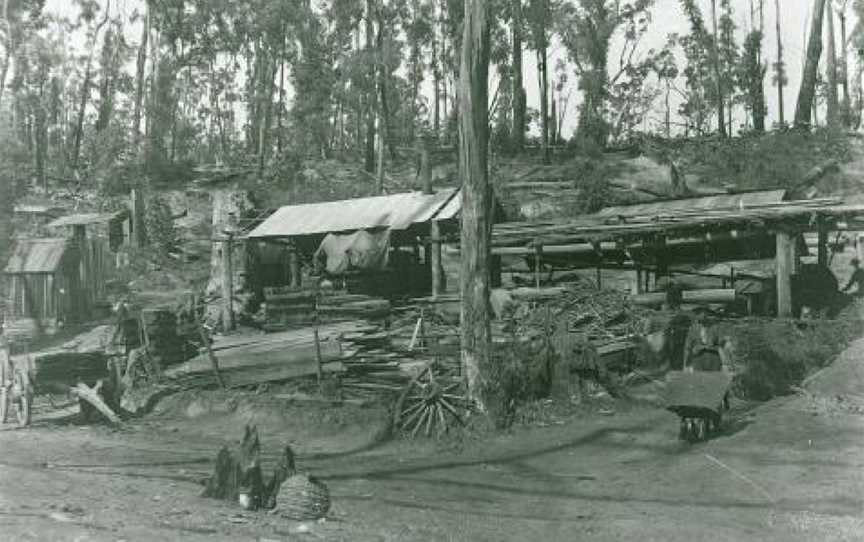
column 36, row 256
column 396, row 211
column 84, row 219
column 714, row 202
column 451, row 208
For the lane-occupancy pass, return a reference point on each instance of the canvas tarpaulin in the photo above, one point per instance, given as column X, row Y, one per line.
column 358, row 250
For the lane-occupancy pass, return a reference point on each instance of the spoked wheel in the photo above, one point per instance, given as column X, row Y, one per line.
column 432, row 402
column 22, row 398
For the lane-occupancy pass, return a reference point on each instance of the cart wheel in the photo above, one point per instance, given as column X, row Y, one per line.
column 24, row 410
column 431, row 402
column 4, row 404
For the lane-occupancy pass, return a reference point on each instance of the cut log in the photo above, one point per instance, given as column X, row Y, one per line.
column 698, row 297
column 536, row 294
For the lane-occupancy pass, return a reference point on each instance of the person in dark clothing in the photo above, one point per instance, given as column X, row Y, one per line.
column 857, row 279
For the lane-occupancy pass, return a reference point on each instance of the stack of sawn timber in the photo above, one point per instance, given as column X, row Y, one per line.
column 372, row 363
column 286, row 307
column 246, row 360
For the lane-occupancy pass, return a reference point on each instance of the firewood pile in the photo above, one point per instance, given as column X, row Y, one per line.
column 599, row 316
column 605, row 321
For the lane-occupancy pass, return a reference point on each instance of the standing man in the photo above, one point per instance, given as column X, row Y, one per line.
column 856, row 279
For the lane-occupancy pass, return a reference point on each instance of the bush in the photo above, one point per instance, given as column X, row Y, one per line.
column 770, row 357
column 518, row 373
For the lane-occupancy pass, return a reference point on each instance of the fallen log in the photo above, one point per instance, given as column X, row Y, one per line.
column 91, row 396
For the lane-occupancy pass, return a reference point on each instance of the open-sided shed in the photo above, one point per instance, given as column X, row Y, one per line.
column 412, row 220
column 650, row 238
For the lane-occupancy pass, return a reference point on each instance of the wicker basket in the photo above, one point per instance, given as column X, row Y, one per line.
column 302, row 497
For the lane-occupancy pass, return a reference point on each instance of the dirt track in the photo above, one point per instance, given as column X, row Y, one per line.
column 788, row 470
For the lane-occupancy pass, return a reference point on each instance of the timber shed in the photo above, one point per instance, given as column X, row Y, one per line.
column 652, row 238
column 408, row 227
column 43, row 282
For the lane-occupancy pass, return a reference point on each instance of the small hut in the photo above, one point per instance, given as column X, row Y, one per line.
column 43, row 282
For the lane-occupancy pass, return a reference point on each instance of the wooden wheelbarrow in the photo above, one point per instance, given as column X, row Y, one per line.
column 699, row 398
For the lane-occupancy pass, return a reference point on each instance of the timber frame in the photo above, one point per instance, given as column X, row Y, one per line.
column 648, row 240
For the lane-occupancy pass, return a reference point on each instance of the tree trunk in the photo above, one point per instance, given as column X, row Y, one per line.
column 281, row 106
column 844, row 61
column 519, row 100
column 543, row 74
column 721, row 117
column 476, row 196
column 831, row 69
column 781, row 71
column 436, row 88
column 139, row 75
column 369, row 162
column 807, row 92
column 228, row 206
column 667, row 121
column 41, row 139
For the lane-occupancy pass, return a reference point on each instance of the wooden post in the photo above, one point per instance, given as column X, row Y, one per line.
column 636, row 282
column 227, row 283
column 822, row 248
column 437, row 270
column 859, row 247
column 784, row 265
column 318, row 360
column 294, row 266
column 538, row 262
column 86, row 286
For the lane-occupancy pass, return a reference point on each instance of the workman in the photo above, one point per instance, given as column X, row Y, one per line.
column 857, row 279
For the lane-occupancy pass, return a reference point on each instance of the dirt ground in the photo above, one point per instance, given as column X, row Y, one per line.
column 790, row 469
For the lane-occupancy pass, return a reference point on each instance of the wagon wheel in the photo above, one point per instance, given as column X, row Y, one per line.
column 22, row 397
column 24, row 410
column 4, row 403
column 431, row 402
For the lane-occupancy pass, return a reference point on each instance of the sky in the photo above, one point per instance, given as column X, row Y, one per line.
column 667, row 17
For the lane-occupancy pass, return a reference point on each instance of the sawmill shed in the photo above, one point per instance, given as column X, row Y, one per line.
column 651, row 239
column 387, row 245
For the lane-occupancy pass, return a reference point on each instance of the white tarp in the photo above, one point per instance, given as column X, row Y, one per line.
column 357, row 250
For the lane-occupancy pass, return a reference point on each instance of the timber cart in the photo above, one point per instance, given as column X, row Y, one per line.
column 23, row 375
